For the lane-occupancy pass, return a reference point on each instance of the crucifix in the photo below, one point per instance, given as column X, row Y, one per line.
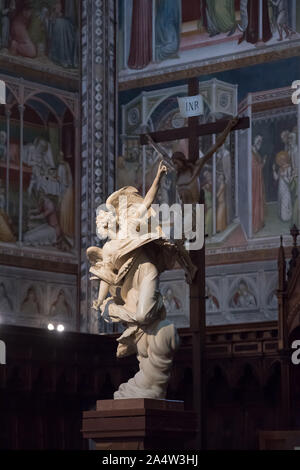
column 197, row 289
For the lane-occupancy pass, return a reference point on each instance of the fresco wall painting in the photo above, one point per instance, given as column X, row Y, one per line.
column 41, row 35
column 158, row 34
column 35, row 299
column 251, row 184
column 39, row 162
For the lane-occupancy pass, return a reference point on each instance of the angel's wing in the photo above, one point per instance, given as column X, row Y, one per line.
column 94, row 255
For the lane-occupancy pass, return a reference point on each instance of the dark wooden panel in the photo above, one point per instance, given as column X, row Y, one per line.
column 50, row 379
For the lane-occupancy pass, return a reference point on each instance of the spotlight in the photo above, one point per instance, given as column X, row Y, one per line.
column 51, row 327
column 60, row 328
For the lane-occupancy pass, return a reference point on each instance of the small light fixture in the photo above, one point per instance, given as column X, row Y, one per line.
column 51, row 327
column 60, row 328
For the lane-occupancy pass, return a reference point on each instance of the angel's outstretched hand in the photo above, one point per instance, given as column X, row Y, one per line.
column 162, row 169
column 96, row 305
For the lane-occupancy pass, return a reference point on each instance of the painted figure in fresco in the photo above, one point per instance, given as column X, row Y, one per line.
column 171, row 302
column 243, row 23
column 30, row 304
column 258, row 190
column 129, row 168
column 62, row 38
column 282, row 18
column 293, row 153
column 285, row 139
column 243, row 298
column 224, row 166
column 60, row 306
column 6, row 231
column 71, row 10
column 50, row 182
column 5, row 302
column 220, row 17
column 251, row 34
column 167, row 28
column 48, row 233
column 207, row 188
column 211, row 302
column 292, row 148
column 7, row 8
column 39, row 156
column 38, row 30
column 221, row 204
column 3, row 146
column 21, row 43
column 42, row 153
column 273, row 299
column 284, row 176
column 140, row 53
column 66, row 196
column 289, row 139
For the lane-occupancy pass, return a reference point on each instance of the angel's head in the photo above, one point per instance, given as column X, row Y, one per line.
column 126, row 196
column 113, row 217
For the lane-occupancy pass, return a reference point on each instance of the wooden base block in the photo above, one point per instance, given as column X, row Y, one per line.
column 140, row 424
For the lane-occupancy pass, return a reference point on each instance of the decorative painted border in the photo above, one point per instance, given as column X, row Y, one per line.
column 210, row 66
column 98, row 130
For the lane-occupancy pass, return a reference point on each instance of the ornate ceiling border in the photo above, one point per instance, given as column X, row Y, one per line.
column 98, row 130
column 210, row 66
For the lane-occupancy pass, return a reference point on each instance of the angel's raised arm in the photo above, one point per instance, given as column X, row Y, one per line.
column 151, row 194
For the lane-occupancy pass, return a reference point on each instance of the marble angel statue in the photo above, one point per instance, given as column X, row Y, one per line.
column 128, row 268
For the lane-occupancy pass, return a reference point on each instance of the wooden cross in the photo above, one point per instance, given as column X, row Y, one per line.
column 197, row 290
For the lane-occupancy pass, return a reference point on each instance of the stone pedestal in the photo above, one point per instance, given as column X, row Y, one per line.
column 140, row 424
